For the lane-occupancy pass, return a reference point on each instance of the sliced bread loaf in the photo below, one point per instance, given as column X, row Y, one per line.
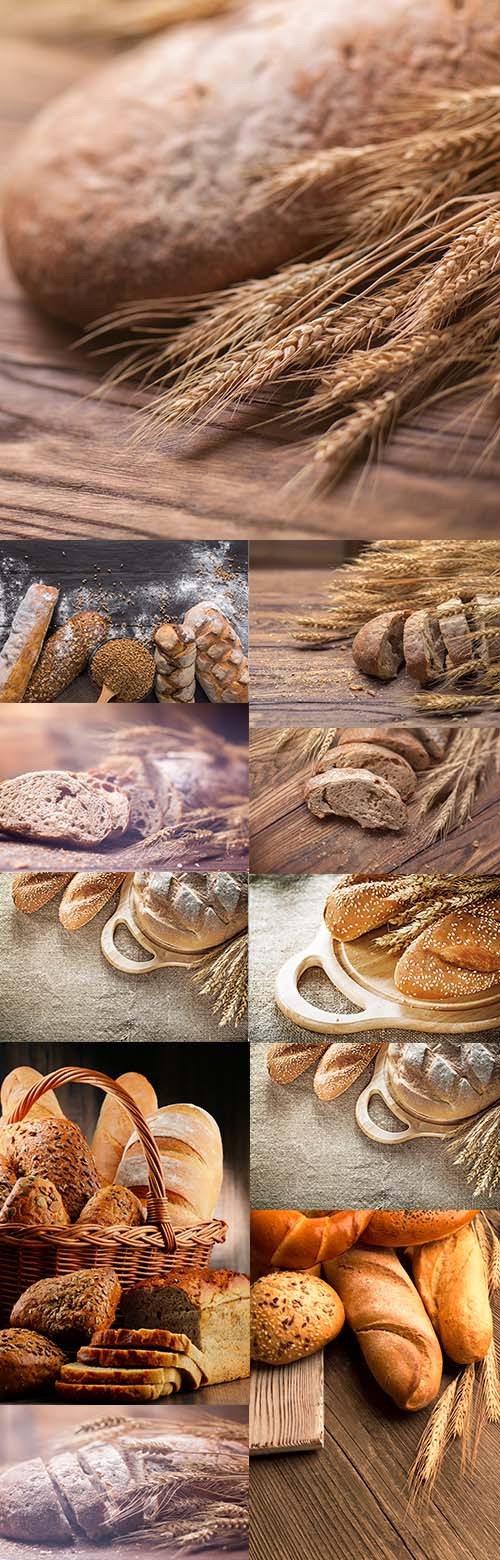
column 357, row 794
column 399, row 739
column 484, row 617
column 424, row 647
column 128, row 775
column 378, row 646
column 455, row 631
column 379, row 760
column 30, row 1508
column 55, row 805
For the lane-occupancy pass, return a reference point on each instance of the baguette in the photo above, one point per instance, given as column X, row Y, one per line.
column 221, row 664
column 287, row 1060
column 288, row 1239
column 292, row 1315
column 414, row 1227
column 22, row 648
column 451, row 1279
column 114, row 1123
column 32, row 890
column 392, row 1327
column 86, row 894
column 341, row 1064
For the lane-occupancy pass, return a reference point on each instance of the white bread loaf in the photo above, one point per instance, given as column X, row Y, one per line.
column 113, row 1128
column 190, row 1147
column 16, row 1085
column 190, row 911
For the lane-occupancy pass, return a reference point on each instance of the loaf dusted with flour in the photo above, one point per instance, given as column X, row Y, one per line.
column 190, row 911
column 22, row 648
column 392, row 1327
column 190, row 1148
column 175, row 661
column 65, row 655
column 221, row 663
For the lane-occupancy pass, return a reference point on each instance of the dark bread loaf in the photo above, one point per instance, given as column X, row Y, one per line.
column 377, row 648
column 27, row 1362
column 424, row 647
column 55, row 1148
column 55, row 805
column 69, row 1308
column 34, row 1200
column 378, row 759
column 356, row 793
column 399, row 739
column 140, row 183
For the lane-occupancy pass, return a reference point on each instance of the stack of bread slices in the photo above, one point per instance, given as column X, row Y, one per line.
column 460, row 637
column 372, row 774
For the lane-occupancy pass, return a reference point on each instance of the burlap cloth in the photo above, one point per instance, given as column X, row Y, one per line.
column 57, row 985
column 309, row 1154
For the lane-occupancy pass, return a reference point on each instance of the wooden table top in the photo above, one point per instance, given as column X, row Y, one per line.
column 349, row 1501
column 293, row 685
column 67, row 464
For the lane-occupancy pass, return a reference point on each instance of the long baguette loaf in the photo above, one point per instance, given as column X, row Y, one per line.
column 31, row 890
column 22, row 648
column 286, row 1061
column 114, row 1123
column 175, row 659
column 391, row 1324
column 341, row 1065
column 284, row 1238
column 414, row 1226
column 65, row 655
column 451, row 1279
column 85, row 895
column 221, row 664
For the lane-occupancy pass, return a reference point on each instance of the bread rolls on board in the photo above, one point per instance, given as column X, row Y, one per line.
column 190, row 1147
column 284, row 1238
column 451, row 1279
column 22, row 648
column 395, row 1334
column 414, row 1227
column 113, row 1128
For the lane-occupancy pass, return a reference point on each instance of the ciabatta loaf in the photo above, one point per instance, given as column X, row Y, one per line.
column 55, row 805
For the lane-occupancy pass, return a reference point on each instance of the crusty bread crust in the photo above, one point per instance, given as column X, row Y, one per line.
column 377, row 648
column 378, row 759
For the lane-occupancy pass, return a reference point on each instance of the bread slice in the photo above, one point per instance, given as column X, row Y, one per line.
column 55, row 805
column 470, row 938
column 424, row 647
column 455, row 632
column 116, row 799
column 356, row 794
column 398, row 739
column 78, row 1391
column 110, row 1375
column 484, row 614
column 147, row 1338
column 129, row 776
column 131, row 1362
column 379, row 760
column 422, row 975
column 435, row 739
column 378, row 646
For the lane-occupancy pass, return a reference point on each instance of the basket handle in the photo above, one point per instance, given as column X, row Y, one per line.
column 158, row 1210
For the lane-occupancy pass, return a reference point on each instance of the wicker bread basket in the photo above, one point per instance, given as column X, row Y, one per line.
column 29, row 1252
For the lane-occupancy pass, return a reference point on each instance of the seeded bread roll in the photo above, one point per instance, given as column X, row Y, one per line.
column 414, row 1226
column 342, row 1063
column 392, row 1327
column 31, row 890
column 65, row 655
column 355, row 908
column 455, row 632
column 34, row 1200
column 114, row 1205
column 292, row 1316
column 86, row 894
column 423, row 646
column 7, row 1181
column 22, row 648
column 286, row 1060
column 469, row 938
column 54, row 805
column 378, row 759
column 28, row 1363
column 69, row 1308
column 53, row 1148
column 424, row 976
column 451, row 1279
column 366, row 798
column 398, row 739
column 378, row 646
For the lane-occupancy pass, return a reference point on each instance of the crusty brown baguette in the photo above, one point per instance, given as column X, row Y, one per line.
column 31, row 890
column 221, row 663
column 341, row 1065
column 286, row 1062
column 414, row 1226
column 85, row 895
column 392, row 1327
column 451, row 1279
column 22, row 648
column 114, row 1125
column 284, row 1238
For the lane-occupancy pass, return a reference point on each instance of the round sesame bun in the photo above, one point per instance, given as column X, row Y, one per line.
column 414, row 1227
column 292, row 1315
column 423, row 976
column 355, row 908
column 470, row 938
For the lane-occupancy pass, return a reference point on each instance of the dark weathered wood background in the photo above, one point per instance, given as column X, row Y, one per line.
column 67, row 466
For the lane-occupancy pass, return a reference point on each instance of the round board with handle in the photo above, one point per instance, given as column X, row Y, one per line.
column 159, row 958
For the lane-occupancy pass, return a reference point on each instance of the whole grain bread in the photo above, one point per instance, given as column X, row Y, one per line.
column 55, row 805
column 28, row 1362
column 398, row 739
column 113, row 1205
column 378, row 759
column 68, row 1309
column 152, row 1339
column 424, row 647
column 210, row 1306
column 78, row 1392
column 7, row 1181
column 292, row 1315
column 377, row 648
column 139, row 183
column 53, row 1148
column 34, row 1200
column 356, row 793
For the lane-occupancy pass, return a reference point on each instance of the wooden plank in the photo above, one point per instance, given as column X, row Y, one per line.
column 286, row 1407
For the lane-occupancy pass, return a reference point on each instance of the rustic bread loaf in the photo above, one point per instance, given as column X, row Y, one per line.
column 175, row 660
column 484, row 614
column 31, row 890
column 413, row 1226
column 292, row 1315
column 65, row 655
column 30, row 1509
column 53, row 1148
column 110, row 198
column 128, row 775
column 451, row 1279
column 114, row 1205
column 423, row 647
column 68, row 1309
column 287, row 1060
column 444, row 1079
column 34, row 1200
column 221, row 663
column 84, row 1503
column 7, row 1181
column 210, row 1306
column 28, row 1362
column 377, row 648
column 190, row 1148
column 356, row 793
column 378, row 759
column 355, row 908
column 424, row 976
column 14, row 1088
column 470, row 938
column 398, row 739
column 55, row 805
column 385, row 1311
column 86, row 895
column 455, row 632
column 114, row 1123
column 22, row 648
column 190, row 911
column 116, row 800
column 435, row 740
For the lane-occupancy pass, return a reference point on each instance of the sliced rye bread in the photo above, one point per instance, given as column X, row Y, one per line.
column 435, row 739
column 424, row 976
column 356, row 794
column 484, row 618
column 77, row 1391
column 424, row 647
column 55, row 805
column 132, row 1362
column 379, row 760
column 129, row 776
column 378, row 646
column 455, row 632
column 147, row 1338
column 17, row 1517
column 397, row 739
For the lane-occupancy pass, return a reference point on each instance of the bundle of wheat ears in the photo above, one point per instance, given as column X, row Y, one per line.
column 395, row 304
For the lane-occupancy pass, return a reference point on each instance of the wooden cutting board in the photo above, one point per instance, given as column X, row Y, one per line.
column 286, row 1407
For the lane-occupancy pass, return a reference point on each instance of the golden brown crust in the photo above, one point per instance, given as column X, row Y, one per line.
column 451, row 1279
column 292, row 1315
column 414, row 1226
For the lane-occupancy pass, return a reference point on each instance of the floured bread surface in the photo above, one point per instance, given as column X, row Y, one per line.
column 55, row 805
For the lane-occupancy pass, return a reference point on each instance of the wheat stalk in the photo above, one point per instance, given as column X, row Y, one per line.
column 224, row 978
column 407, row 574
column 433, row 1444
column 479, row 1151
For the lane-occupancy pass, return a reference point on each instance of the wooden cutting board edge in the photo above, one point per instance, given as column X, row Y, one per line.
column 298, row 1390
